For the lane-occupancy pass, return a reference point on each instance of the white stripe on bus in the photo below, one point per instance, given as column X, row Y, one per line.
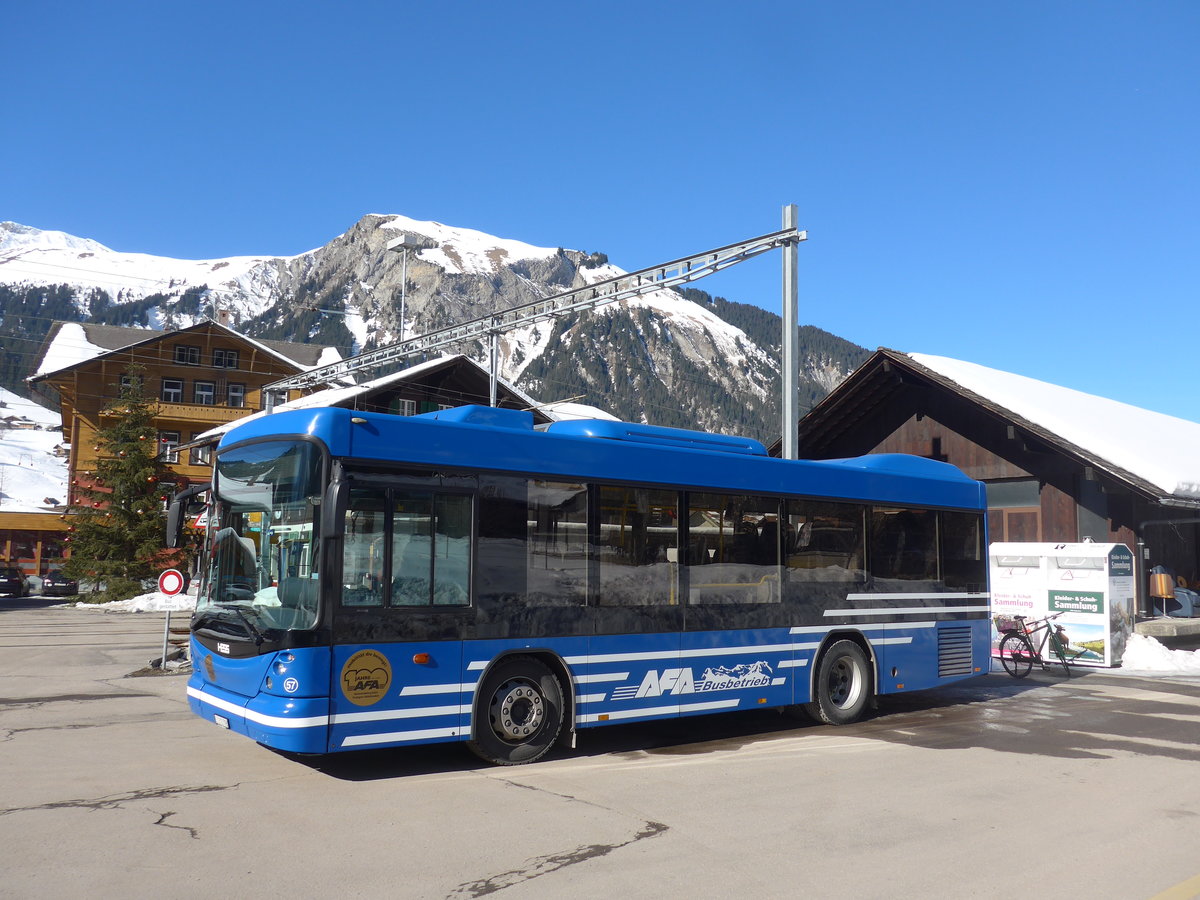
column 361, row 740
column 656, row 711
column 905, row 611
column 917, row 595
column 383, row 715
column 415, row 689
column 677, row 654
column 255, row 716
column 601, row 677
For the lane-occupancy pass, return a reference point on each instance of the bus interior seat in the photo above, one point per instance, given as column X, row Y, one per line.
column 298, row 593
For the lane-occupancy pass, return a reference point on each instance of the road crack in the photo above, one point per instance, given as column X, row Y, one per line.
column 119, row 801
column 554, row 862
column 162, row 820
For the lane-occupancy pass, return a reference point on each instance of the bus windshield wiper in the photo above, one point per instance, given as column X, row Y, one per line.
column 258, row 635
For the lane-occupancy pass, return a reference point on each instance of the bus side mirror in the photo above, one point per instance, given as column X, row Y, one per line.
column 175, row 523
column 177, row 512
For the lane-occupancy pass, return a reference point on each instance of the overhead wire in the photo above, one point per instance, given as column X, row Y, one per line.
column 181, row 289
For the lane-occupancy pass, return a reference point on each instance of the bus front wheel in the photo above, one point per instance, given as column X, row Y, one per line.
column 518, row 713
column 842, row 686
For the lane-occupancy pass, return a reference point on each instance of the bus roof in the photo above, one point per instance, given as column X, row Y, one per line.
column 504, row 440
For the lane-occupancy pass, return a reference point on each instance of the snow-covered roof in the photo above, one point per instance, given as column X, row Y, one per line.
column 1159, row 449
column 345, row 396
column 72, row 343
column 566, row 412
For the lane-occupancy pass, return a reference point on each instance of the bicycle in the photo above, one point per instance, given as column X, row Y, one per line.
column 1018, row 650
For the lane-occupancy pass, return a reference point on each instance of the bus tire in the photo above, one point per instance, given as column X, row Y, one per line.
column 843, row 684
column 518, row 712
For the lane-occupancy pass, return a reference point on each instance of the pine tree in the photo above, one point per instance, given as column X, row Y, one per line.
column 118, row 524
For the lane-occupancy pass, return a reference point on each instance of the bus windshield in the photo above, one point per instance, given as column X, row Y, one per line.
column 262, row 559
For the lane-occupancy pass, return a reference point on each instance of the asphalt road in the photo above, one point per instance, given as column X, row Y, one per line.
column 110, row 787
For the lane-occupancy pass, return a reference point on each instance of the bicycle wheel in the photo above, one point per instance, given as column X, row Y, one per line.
column 1016, row 654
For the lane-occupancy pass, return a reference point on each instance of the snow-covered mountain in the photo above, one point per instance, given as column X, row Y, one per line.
column 666, row 358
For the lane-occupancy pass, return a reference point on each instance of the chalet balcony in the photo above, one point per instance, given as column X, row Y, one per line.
column 201, row 413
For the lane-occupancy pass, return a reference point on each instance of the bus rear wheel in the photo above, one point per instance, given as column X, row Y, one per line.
column 843, row 684
column 518, row 712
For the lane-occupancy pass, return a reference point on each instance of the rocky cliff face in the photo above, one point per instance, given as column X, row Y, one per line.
column 662, row 358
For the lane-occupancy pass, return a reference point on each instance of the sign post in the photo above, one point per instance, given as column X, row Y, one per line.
column 170, row 583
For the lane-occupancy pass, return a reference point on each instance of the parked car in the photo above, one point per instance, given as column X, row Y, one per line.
column 56, row 584
column 13, row 582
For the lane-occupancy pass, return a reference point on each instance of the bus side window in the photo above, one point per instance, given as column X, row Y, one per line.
column 431, row 549
column 733, row 549
column 557, row 542
column 452, row 550
column 824, row 541
column 364, row 549
column 903, row 544
column 963, row 553
column 638, row 546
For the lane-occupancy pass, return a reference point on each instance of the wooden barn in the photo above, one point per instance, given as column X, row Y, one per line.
column 1060, row 464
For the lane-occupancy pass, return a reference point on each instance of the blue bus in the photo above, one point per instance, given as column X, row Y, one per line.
column 373, row 580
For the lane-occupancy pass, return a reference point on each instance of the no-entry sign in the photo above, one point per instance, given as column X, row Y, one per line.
column 170, row 582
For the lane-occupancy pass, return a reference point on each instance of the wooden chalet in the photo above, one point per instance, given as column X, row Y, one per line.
column 201, row 376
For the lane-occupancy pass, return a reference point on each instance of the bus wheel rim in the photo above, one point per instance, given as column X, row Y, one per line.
column 844, row 683
column 518, row 710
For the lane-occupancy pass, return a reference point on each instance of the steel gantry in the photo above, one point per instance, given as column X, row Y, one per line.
column 621, row 287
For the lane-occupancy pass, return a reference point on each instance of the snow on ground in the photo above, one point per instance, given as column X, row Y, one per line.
column 1145, row 654
column 15, row 405
column 30, row 473
column 155, row 601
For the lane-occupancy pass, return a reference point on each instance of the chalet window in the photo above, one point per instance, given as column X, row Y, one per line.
column 131, row 383
column 236, row 395
column 168, row 446
column 204, row 393
column 1014, row 510
column 402, row 407
column 172, row 390
column 187, row 355
column 225, row 359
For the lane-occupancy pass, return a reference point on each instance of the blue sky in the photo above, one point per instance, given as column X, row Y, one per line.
column 1014, row 184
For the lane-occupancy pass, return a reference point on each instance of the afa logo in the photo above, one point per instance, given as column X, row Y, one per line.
column 683, row 681
column 366, row 677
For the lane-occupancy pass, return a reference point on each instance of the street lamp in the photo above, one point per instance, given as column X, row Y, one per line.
column 404, row 243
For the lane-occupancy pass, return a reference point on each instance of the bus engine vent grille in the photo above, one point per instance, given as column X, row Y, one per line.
column 954, row 652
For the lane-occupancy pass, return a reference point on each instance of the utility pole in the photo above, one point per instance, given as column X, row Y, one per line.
column 791, row 336
column 404, row 244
